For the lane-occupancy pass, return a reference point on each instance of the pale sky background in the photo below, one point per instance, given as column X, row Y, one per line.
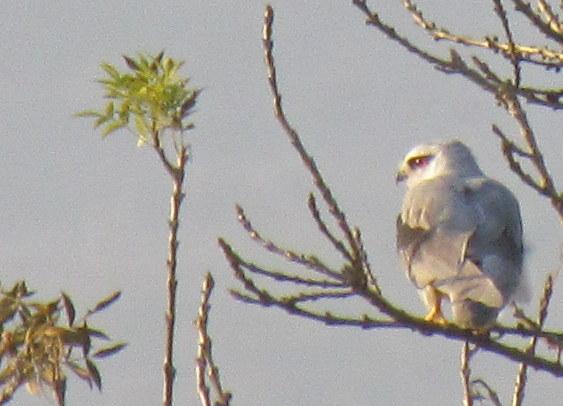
column 89, row 216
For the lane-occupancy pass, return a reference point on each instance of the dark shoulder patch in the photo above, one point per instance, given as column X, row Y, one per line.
column 409, row 238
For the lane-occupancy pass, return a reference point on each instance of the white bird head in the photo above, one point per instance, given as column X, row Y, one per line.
column 428, row 161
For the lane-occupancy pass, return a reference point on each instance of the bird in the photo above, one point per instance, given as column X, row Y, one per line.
column 459, row 235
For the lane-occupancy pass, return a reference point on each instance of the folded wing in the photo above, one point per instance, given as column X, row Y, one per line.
column 464, row 237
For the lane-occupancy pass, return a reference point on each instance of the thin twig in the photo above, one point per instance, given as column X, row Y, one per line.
column 512, row 53
column 547, row 29
column 337, row 244
column 521, row 379
column 285, row 277
column 10, row 388
column 551, row 18
column 466, row 375
column 491, row 394
column 177, row 173
column 169, row 166
column 309, row 297
column 201, row 325
column 545, row 185
column 365, row 262
column 204, row 362
column 294, row 137
column 311, row 263
column 552, row 336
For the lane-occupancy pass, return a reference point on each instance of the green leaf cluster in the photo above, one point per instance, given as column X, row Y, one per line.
column 151, row 96
column 40, row 341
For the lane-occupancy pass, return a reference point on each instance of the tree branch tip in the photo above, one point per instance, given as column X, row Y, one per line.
column 222, row 243
column 268, row 11
column 238, row 295
column 208, row 283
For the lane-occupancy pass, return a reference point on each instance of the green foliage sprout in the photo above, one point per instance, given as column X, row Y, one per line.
column 151, row 94
column 158, row 101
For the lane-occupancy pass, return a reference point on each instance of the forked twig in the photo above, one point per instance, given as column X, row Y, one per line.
column 337, row 244
column 545, row 184
column 456, row 64
column 310, row 262
column 294, row 138
column 526, row 53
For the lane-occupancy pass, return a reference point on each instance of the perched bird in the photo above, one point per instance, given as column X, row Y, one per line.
column 459, row 235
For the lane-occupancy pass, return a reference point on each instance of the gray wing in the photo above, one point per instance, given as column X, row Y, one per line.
column 464, row 237
column 496, row 245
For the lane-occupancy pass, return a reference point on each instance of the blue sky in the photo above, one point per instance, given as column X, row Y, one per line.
column 89, row 216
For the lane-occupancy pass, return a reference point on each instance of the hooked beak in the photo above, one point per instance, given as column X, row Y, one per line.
column 401, row 176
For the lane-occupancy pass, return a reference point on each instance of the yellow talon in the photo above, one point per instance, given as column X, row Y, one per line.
column 434, row 302
column 435, row 316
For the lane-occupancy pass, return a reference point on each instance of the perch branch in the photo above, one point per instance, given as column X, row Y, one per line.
column 397, row 318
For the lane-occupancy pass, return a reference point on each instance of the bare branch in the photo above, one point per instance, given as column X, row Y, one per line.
column 309, row 297
column 521, row 378
column 365, row 262
column 491, row 394
column 324, row 228
column 10, row 388
column 365, row 322
column 354, row 278
column 309, row 262
column 513, row 54
column 308, row 161
column 399, row 318
column 328, row 318
column 545, row 184
column 552, row 30
column 203, row 342
column 456, row 64
column 168, row 165
column 285, row 277
column 536, row 55
column 177, row 172
column 465, row 375
column 204, row 362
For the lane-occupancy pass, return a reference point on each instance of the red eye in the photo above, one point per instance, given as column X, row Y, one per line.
column 419, row 161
